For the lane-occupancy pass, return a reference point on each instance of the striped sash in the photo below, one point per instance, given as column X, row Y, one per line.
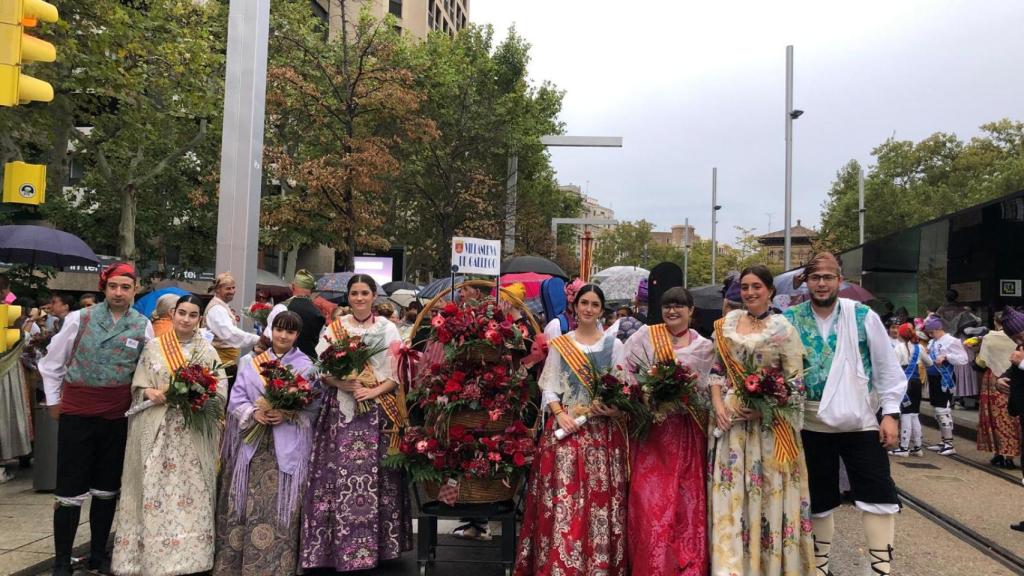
column 574, row 359
column 785, row 440
column 170, row 348
column 258, row 361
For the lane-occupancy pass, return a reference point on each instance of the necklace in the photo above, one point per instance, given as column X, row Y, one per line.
column 681, row 334
column 759, row 317
column 362, row 321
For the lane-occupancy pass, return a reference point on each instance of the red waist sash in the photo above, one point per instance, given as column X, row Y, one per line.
column 106, row 402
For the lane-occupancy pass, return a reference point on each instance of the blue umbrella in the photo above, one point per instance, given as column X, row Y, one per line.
column 41, row 246
column 147, row 303
column 438, row 286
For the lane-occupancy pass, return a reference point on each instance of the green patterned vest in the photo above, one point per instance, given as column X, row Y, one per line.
column 818, row 353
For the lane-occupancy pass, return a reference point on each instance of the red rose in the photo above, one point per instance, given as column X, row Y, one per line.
column 519, row 459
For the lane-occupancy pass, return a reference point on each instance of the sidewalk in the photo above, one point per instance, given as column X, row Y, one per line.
column 26, row 526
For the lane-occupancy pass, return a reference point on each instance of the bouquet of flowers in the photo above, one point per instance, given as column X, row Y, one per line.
column 609, row 389
column 429, row 455
column 768, row 391
column 349, row 357
column 667, row 387
column 285, row 391
column 259, row 312
column 456, row 385
column 193, row 390
column 475, row 326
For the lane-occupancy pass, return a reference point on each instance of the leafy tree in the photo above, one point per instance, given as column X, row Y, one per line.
column 337, row 112
column 912, row 182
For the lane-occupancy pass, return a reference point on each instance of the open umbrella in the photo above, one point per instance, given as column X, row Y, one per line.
column 146, row 304
column 336, row 283
column 707, row 297
column 439, row 285
column 621, row 282
column 391, row 287
column 41, row 246
column 403, row 297
column 521, row 264
column 530, row 280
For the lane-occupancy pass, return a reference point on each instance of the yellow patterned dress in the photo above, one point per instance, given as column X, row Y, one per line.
column 759, row 510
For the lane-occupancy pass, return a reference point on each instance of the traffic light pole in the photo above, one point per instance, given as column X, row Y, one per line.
column 241, row 164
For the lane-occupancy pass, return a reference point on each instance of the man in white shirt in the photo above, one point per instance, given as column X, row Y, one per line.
column 222, row 322
column 945, row 352
column 850, row 369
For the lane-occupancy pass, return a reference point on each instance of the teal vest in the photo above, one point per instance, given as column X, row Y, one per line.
column 102, row 357
column 818, row 353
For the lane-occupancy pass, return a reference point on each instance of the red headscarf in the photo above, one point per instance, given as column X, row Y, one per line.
column 907, row 332
column 116, row 269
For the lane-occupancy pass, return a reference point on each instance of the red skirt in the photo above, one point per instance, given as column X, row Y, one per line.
column 575, row 514
column 998, row 432
column 668, row 512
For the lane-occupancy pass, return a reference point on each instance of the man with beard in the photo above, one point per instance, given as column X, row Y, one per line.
column 849, row 370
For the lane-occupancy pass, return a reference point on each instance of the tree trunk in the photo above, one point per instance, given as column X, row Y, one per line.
column 126, row 229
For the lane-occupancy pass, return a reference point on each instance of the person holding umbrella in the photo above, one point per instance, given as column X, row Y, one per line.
column 87, row 374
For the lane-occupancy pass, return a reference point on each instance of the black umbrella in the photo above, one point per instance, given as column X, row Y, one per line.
column 390, row 287
column 707, row 297
column 41, row 246
column 536, row 264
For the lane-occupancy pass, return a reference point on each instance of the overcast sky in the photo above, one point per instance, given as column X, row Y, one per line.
column 694, row 84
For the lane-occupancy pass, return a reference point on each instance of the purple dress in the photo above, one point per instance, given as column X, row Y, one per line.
column 355, row 512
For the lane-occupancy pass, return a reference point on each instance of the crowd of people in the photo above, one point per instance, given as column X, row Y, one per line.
column 725, row 489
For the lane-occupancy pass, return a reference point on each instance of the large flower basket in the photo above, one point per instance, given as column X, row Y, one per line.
column 480, row 420
column 478, row 490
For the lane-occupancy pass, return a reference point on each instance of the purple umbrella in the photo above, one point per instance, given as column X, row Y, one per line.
column 41, row 246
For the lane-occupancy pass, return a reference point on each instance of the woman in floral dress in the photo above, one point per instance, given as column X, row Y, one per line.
column 168, row 487
column 759, row 508
column 575, row 512
column 668, row 490
column 356, row 512
column 262, row 482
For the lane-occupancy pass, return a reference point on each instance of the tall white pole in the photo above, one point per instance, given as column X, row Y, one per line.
column 789, row 157
column 714, row 221
column 686, row 254
column 860, row 206
column 241, row 163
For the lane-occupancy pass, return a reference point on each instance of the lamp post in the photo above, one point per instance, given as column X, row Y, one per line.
column 791, row 115
column 714, row 222
column 860, row 202
column 686, row 253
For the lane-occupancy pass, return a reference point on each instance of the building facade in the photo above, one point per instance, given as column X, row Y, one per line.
column 801, row 240
column 415, row 17
column 591, row 209
column 679, row 236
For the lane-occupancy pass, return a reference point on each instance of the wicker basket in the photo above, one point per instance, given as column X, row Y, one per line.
column 479, row 355
column 478, row 490
column 479, row 420
column 512, row 298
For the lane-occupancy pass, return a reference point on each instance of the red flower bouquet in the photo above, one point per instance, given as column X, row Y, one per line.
column 667, row 387
column 446, row 388
column 768, row 391
column 259, row 312
column 433, row 454
column 349, row 358
column 609, row 389
column 475, row 326
column 285, row 391
column 193, row 390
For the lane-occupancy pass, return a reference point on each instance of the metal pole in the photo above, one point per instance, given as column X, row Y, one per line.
column 510, row 204
column 714, row 222
column 686, row 253
column 860, row 205
column 789, row 157
column 241, row 164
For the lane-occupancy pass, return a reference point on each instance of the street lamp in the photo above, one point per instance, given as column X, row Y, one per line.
column 791, row 115
column 714, row 221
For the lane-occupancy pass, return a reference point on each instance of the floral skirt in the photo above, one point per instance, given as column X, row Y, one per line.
column 998, row 432
column 760, row 511
column 668, row 512
column 356, row 512
column 258, row 545
column 575, row 512
column 174, row 532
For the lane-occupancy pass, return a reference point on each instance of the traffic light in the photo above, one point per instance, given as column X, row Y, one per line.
column 17, row 48
column 9, row 336
column 24, row 183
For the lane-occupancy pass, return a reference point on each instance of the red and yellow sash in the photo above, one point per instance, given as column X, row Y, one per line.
column 170, row 348
column 661, row 340
column 785, row 439
column 574, row 358
column 391, row 403
column 257, row 363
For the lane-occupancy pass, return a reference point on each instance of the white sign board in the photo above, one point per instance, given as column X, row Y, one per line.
column 476, row 256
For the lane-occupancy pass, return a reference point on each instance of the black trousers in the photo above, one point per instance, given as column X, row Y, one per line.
column 867, row 466
column 914, row 392
column 90, row 454
column 936, row 395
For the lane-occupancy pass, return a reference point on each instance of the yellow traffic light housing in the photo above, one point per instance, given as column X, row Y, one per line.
column 24, row 183
column 9, row 336
column 16, row 48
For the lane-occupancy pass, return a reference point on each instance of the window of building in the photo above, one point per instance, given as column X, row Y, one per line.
column 395, row 8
